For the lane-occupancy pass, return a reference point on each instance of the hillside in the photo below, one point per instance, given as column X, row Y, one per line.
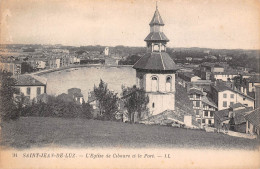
column 43, row 131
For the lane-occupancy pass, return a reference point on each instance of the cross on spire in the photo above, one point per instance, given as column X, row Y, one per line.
column 156, row 5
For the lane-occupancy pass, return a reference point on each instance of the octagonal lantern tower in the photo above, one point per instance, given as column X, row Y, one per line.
column 155, row 71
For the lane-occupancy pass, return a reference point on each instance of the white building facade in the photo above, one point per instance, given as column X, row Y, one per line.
column 225, row 97
column 30, row 87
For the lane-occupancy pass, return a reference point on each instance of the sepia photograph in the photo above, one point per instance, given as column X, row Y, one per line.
column 129, row 84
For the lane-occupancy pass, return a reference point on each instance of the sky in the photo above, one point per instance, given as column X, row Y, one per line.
column 226, row 24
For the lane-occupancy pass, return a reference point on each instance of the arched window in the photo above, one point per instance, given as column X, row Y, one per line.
column 168, row 86
column 153, row 105
column 154, row 83
column 156, row 48
column 163, row 48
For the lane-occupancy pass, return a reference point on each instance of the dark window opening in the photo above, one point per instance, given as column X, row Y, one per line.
column 38, row 90
column 28, row 91
column 209, row 121
column 211, row 114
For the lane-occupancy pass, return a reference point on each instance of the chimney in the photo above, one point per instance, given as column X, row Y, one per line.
column 230, row 113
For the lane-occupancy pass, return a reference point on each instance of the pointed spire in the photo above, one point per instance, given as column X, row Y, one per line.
column 157, row 20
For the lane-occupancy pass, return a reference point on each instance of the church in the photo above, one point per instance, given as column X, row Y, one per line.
column 155, row 71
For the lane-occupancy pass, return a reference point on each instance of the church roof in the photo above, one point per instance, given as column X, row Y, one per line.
column 155, row 61
column 157, row 19
column 156, row 36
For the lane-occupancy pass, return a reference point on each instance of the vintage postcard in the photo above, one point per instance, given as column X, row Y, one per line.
column 129, row 84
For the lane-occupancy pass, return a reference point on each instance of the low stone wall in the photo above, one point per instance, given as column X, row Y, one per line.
column 243, row 135
column 210, row 129
column 231, row 133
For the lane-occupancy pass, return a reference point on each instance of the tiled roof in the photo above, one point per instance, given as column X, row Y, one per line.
column 208, row 101
column 238, row 114
column 170, row 116
column 156, row 36
column 221, row 87
column 254, row 118
column 14, row 62
column 27, row 80
column 157, row 19
column 228, row 72
column 78, row 95
column 156, row 61
column 254, row 79
column 187, row 74
column 196, row 91
column 237, row 105
column 222, row 114
column 208, row 64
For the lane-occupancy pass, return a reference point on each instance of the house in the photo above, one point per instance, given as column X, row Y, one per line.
column 94, row 103
column 76, row 94
column 210, row 57
column 198, row 59
column 54, row 62
column 195, row 96
column 189, row 58
column 232, row 118
column 225, row 57
column 40, row 64
column 208, row 107
column 37, row 63
column 203, row 84
column 74, row 60
column 227, row 75
column 252, row 82
column 109, row 61
column 203, row 74
column 65, row 60
column 211, row 67
column 13, row 67
column 253, row 122
column 203, row 106
column 206, row 69
column 257, row 96
column 186, row 77
column 30, row 86
column 224, row 96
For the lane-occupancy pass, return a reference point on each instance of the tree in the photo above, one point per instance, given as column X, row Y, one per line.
column 21, row 101
column 107, row 101
column 135, row 101
column 131, row 60
column 87, row 110
column 7, row 91
column 26, row 68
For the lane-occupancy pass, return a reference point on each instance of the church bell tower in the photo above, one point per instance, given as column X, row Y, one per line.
column 155, row 71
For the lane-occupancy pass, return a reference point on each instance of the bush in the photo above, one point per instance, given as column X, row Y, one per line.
column 57, row 107
column 8, row 110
